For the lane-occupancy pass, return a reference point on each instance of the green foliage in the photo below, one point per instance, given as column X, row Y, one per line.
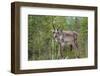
column 41, row 45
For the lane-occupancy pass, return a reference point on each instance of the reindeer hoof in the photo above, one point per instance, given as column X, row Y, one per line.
column 66, row 57
column 78, row 56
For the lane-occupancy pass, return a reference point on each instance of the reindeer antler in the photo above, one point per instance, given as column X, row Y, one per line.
column 53, row 26
column 56, row 26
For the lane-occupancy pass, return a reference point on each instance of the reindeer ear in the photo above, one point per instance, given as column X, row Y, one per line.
column 51, row 30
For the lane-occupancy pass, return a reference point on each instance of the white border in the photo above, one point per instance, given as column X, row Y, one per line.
column 25, row 64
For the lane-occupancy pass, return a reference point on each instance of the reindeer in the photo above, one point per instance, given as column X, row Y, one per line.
column 65, row 38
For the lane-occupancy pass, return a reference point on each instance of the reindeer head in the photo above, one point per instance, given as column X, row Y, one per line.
column 57, row 33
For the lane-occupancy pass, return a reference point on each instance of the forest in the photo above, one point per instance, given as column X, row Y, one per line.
column 41, row 44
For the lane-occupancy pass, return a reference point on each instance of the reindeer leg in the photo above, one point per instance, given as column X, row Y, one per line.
column 76, row 44
column 61, row 51
column 71, row 47
column 75, row 49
